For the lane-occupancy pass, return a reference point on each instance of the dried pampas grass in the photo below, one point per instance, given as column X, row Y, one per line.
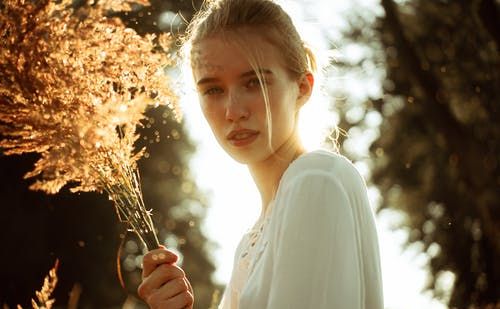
column 74, row 85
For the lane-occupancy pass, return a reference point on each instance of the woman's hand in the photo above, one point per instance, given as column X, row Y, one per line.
column 164, row 285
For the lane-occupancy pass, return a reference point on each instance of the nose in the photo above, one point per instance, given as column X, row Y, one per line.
column 236, row 108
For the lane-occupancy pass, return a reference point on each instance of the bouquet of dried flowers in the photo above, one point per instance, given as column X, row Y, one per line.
column 74, row 85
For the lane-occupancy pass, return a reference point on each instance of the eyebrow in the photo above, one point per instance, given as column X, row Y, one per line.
column 207, row 80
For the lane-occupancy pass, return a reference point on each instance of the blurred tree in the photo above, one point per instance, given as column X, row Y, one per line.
column 81, row 229
column 438, row 154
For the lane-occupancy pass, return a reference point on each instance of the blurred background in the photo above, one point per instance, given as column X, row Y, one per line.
column 415, row 87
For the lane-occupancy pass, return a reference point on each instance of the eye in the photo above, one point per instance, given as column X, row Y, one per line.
column 254, row 82
column 212, row 91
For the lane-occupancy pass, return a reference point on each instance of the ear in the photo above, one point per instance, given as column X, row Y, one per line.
column 305, row 84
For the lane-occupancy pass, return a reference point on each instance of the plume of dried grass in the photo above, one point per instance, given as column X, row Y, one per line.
column 49, row 284
column 43, row 296
column 74, row 85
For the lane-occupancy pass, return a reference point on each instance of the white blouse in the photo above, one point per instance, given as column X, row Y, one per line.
column 315, row 247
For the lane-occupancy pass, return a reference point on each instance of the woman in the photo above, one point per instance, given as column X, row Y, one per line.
column 315, row 243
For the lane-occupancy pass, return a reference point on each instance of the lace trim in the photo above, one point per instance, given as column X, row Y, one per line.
column 253, row 235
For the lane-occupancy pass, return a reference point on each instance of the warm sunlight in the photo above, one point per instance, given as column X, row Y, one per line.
column 234, row 208
column 115, row 188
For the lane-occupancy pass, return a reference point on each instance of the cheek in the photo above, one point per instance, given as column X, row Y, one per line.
column 284, row 106
column 213, row 115
column 283, row 114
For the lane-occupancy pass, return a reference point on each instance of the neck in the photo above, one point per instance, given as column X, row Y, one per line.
column 267, row 173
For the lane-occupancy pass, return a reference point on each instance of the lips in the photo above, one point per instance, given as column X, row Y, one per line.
column 241, row 134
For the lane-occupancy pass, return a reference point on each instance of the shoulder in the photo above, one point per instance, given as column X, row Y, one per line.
column 318, row 190
column 324, row 166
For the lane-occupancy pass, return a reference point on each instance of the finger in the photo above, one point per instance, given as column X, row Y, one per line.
column 190, row 288
column 180, row 301
column 160, row 276
column 156, row 257
column 172, row 288
column 160, row 297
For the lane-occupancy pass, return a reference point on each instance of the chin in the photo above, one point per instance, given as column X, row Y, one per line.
column 241, row 156
column 245, row 155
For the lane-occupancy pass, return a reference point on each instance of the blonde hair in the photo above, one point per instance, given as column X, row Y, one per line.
column 219, row 17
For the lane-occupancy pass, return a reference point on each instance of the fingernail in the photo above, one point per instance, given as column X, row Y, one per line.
column 154, row 257
column 161, row 256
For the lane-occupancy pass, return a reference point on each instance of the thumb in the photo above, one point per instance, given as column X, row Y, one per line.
column 156, row 257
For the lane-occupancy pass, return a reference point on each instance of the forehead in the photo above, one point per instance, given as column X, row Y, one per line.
column 232, row 53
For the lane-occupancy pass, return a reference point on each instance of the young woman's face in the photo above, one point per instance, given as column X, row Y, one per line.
column 231, row 97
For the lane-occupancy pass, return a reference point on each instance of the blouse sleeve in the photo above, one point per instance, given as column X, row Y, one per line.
column 317, row 257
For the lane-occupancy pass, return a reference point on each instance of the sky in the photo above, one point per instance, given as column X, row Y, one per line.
column 234, row 198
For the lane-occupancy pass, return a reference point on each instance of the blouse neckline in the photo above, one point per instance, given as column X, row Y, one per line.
column 272, row 202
